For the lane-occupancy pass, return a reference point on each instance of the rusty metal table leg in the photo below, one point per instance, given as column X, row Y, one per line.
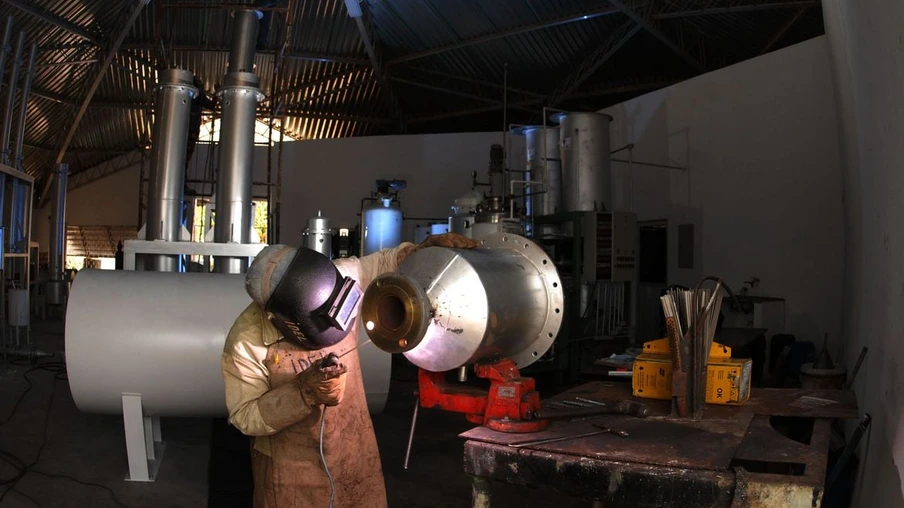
column 480, row 492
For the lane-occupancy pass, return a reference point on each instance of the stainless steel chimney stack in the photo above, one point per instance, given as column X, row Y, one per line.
column 172, row 106
column 56, row 289
column 239, row 97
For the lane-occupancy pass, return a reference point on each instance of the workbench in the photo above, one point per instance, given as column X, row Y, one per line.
column 733, row 457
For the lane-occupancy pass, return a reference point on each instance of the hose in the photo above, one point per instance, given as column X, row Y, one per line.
column 323, row 457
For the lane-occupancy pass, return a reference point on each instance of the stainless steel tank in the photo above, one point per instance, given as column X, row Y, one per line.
column 586, row 171
column 451, row 307
column 381, row 226
column 463, row 213
column 493, row 217
column 318, row 235
column 161, row 335
column 544, row 165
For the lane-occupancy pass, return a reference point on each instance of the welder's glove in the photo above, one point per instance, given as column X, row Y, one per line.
column 322, row 385
column 450, row 240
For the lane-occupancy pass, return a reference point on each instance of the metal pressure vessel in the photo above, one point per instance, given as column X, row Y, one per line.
column 381, row 226
column 544, row 165
column 161, row 335
column 451, row 307
column 318, row 235
column 586, row 171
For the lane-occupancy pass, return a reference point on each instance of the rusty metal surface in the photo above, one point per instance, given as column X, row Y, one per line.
column 802, row 403
column 672, row 462
column 618, row 483
column 657, row 442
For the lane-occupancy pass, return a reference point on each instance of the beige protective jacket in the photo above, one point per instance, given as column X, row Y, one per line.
column 258, row 367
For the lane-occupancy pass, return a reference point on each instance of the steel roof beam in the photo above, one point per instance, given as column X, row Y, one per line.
column 593, row 61
column 781, row 33
column 48, row 17
column 361, row 15
column 533, row 27
column 649, row 24
column 131, row 12
column 736, row 9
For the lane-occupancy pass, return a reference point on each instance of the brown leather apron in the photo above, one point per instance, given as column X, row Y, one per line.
column 293, row 476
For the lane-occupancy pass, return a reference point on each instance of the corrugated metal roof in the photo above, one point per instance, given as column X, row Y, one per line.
column 329, row 88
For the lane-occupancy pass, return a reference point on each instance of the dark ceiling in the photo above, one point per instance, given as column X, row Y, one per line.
column 410, row 66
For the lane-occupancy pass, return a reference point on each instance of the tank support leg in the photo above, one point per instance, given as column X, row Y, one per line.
column 144, row 442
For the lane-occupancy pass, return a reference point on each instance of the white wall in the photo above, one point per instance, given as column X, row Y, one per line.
column 759, row 139
column 111, row 201
column 332, row 175
column 867, row 48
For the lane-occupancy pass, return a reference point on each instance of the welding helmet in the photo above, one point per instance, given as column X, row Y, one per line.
column 311, row 304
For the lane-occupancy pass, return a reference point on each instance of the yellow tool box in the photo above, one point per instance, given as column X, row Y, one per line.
column 727, row 378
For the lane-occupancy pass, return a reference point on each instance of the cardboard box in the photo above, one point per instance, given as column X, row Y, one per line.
column 727, row 379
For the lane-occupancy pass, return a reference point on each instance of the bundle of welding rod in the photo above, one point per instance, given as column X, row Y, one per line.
column 691, row 318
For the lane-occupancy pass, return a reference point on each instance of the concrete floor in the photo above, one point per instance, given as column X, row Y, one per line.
column 91, row 448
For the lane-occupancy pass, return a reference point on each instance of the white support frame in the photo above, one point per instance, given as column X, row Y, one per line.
column 144, row 441
column 132, row 247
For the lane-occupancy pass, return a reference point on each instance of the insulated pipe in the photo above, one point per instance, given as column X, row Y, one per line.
column 244, row 38
column 56, row 288
column 11, row 99
column 116, row 342
column 173, row 107
column 18, row 226
column 451, row 307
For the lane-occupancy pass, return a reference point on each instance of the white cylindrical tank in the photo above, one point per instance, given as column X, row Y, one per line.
column 586, row 171
column 161, row 335
column 381, row 226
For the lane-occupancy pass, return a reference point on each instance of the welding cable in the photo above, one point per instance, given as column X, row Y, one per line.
column 323, row 457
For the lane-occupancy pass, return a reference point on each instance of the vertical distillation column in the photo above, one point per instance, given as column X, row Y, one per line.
column 239, row 97
column 56, row 290
column 172, row 107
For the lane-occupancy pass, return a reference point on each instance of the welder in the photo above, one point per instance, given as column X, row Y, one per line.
column 313, row 440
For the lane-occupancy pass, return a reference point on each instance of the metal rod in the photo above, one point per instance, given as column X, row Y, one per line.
column 417, row 404
column 23, row 104
column 650, row 164
column 857, row 367
column 556, row 439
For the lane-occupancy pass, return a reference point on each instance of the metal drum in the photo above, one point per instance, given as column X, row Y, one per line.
column 586, row 171
column 381, row 226
column 451, row 307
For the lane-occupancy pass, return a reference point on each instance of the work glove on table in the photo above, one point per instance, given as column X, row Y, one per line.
column 293, row 401
column 450, row 240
